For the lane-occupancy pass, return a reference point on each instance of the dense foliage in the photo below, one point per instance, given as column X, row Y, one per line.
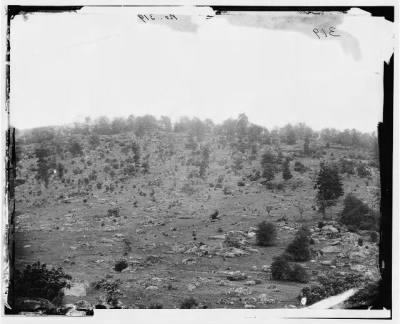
column 37, row 280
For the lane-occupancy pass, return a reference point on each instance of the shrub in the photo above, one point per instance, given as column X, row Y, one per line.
column 299, row 274
column 280, row 269
column 120, row 265
column 362, row 171
column 321, row 224
column 374, row 237
column 299, row 248
column 38, row 281
column 266, row 234
column 358, row 214
column 330, row 285
column 299, row 167
column 111, row 289
column 113, row 212
column 189, row 303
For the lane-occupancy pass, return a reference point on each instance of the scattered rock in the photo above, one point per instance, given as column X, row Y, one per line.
column 331, row 249
column 330, row 228
column 236, row 276
column 152, row 288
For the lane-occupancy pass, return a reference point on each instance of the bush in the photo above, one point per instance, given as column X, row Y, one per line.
column 299, row 167
column 112, row 291
column 266, row 234
column 299, row 248
column 362, row 171
column 374, row 237
column 189, row 303
column 280, row 269
column 113, row 212
column 321, row 224
column 358, row 214
column 330, row 285
column 38, row 281
column 120, row 265
column 299, row 274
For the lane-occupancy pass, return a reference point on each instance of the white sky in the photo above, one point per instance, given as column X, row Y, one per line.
column 97, row 62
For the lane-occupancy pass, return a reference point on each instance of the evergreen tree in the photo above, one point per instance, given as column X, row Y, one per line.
column 307, row 146
column 329, row 187
column 268, row 166
column 286, row 170
column 299, row 248
column 205, row 159
column 43, row 165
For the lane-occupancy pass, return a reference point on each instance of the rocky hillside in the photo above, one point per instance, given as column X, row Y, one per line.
column 146, row 215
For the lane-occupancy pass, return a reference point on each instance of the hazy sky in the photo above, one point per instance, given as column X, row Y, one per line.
column 103, row 61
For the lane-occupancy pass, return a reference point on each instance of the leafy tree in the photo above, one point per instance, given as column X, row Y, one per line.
column 286, row 170
column 329, row 187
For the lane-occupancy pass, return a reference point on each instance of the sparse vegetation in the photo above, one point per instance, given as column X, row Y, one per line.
column 174, row 197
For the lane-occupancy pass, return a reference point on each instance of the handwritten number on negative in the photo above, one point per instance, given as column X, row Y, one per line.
column 323, row 33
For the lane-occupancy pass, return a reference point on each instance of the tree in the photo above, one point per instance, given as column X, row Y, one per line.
column 329, row 187
column 165, row 123
column 268, row 166
column 205, row 159
column 241, row 127
column 266, row 234
column 307, row 146
column 94, row 141
column 358, row 214
column 291, row 137
column 299, row 248
column 75, row 148
column 286, row 170
column 43, row 164
column 60, row 170
column 136, row 153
